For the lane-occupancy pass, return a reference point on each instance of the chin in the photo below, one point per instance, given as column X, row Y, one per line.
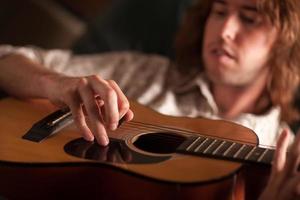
column 225, row 79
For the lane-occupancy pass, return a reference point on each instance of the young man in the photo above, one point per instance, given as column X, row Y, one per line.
column 237, row 60
column 245, row 71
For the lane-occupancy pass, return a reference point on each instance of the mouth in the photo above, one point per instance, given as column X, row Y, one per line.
column 219, row 52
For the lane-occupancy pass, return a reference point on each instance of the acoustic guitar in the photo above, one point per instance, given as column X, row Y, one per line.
column 42, row 156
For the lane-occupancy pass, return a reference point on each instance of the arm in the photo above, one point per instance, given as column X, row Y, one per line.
column 103, row 101
column 22, row 77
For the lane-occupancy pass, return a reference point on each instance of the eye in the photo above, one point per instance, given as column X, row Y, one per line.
column 220, row 13
column 248, row 20
column 219, row 10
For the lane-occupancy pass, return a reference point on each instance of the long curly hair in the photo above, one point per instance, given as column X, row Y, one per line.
column 285, row 55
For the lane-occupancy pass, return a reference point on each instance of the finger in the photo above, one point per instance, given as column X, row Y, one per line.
column 95, row 120
column 293, row 157
column 123, row 103
column 108, row 94
column 280, row 152
column 128, row 116
column 279, row 160
column 79, row 118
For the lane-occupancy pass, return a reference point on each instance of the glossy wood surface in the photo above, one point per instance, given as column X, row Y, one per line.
column 180, row 171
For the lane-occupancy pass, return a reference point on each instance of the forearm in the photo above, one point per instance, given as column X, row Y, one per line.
column 24, row 78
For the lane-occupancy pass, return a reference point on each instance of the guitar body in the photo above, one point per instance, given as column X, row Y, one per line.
column 134, row 165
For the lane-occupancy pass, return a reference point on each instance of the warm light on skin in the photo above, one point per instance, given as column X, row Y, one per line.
column 236, row 48
column 237, row 42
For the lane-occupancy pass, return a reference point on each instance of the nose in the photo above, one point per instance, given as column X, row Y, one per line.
column 230, row 28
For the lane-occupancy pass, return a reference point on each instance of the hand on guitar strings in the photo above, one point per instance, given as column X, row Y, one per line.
column 284, row 182
column 96, row 104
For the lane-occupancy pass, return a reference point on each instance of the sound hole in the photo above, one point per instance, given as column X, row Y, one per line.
column 115, row 152
column 162, row 143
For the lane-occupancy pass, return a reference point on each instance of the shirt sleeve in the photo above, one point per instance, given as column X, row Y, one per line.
column 45, row 57
column 64, row 61
column 139, row 76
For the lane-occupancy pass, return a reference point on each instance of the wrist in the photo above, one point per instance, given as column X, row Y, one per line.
column 50, row 85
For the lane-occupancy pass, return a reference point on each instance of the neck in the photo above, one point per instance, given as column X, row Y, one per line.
column 235, row 100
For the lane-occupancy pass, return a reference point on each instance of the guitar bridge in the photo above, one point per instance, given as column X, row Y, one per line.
column 49, row 125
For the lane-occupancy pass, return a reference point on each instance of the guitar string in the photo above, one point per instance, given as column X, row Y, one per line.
column 151, row 127
column 170, row 139
column 164, row 136
column 155, row 128
column 163, row 128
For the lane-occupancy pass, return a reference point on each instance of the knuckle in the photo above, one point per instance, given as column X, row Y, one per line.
column 82, row 82
column 112, row 82
column 109, row 93
column 95, row 77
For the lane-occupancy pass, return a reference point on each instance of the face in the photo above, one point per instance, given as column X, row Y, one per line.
column 237, row 42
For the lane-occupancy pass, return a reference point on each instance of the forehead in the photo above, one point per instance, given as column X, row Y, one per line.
column 247, row 4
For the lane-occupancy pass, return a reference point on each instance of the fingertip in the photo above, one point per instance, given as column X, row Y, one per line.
column 88, row 137
column 285, row 133
column 103, row 141
column 283, row 137
column 101, row 138
column 129, row 115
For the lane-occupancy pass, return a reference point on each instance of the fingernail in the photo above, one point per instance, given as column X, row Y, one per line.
column 105, row 140
column 88, row 138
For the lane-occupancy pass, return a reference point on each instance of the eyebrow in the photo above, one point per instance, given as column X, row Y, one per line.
column 245, row 7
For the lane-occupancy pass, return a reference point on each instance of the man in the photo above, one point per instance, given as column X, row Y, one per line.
column 249, row 53
column 247, row 79
column 261, row 49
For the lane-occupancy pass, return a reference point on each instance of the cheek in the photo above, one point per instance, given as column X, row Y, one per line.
column 257, row 48
column 206, row 35
column 209, row 37
column 209, row 31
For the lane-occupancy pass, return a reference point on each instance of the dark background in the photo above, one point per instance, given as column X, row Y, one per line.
column 90, row 26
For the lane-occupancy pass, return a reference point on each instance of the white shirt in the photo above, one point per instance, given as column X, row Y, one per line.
column 153, row 80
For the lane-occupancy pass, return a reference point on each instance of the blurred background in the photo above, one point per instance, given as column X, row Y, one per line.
column 89, row 26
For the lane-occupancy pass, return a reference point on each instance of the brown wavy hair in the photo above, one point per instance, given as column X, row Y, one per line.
column 285, row 55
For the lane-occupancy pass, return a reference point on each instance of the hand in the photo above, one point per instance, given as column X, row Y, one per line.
column 96, row 104
column 284, row 183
